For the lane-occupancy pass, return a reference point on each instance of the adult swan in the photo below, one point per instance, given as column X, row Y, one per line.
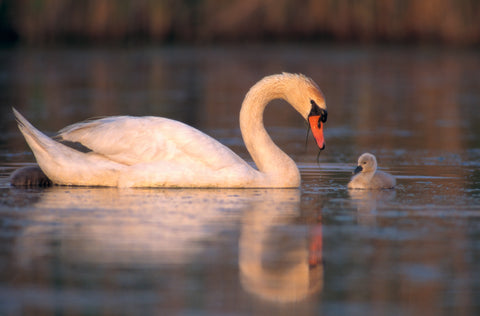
column 127, row 151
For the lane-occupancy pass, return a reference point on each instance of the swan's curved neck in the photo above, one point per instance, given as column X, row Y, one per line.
column 277, row 167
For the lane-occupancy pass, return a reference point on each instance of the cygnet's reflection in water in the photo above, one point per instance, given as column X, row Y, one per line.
column 113, row 227
column 277, row 262
column 366, row 202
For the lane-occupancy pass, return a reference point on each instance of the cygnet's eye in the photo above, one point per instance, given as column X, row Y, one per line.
column 364, row 162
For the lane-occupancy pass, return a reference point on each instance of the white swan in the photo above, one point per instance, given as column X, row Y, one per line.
column 368, row 177
column 129, row 151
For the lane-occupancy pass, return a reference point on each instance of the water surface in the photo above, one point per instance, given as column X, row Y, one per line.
column 319, row 249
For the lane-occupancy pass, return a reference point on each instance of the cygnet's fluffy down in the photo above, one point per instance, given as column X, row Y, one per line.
column 368, row 177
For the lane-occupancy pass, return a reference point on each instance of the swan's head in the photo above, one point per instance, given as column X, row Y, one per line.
column 316, row 118
column 366, row 163
column 305, row 95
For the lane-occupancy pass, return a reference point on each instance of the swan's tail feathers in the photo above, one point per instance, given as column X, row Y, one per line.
column 35, row 139
column 65, row 165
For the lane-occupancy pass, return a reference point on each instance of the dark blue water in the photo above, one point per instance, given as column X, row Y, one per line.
column 321, row 249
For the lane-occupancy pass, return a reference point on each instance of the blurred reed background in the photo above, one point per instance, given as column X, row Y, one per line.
column 455, row 22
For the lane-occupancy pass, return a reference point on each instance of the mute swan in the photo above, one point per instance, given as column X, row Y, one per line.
column 368, row 177
column 127, row 151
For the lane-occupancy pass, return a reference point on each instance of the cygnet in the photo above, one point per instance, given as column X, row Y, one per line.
column 367, row 177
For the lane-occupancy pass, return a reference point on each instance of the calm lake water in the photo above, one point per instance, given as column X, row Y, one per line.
column 317, row 250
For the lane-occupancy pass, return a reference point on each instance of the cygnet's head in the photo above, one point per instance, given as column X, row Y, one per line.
column 366, row 163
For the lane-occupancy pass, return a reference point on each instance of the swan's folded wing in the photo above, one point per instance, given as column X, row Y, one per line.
column 133, row 140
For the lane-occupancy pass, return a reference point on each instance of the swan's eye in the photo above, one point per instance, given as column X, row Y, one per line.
column 317, row 111
column 323, row 116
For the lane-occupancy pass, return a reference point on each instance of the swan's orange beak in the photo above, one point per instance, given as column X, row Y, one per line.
column 316, row 125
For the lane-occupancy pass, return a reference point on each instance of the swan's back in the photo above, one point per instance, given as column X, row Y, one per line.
column 132, row 140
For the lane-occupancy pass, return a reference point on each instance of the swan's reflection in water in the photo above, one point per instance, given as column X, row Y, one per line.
column 275, row 259
column 366, row 202
column 101, row 228
column 129, row 226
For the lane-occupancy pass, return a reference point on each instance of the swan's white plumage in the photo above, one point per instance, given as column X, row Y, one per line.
column 130, row 151
column 131, row 140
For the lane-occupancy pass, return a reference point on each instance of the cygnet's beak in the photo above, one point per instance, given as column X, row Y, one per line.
column 358, row 169
column 316, row 125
